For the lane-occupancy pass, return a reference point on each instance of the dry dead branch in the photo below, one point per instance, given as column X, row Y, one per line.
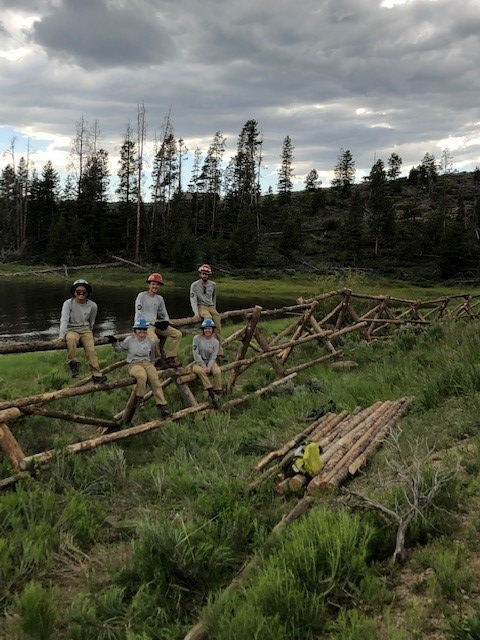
column 420, row 488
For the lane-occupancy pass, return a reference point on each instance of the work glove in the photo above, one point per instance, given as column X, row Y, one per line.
column 111, row 339
column 162, row 325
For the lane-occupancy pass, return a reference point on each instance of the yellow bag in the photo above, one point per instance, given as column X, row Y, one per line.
column 306, row 460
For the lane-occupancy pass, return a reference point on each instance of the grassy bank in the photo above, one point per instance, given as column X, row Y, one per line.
column 264, row 283
column 136, row 541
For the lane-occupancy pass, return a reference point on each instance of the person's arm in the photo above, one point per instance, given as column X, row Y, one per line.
column 193, row 299
column 214, row 354
column 162, row 312
column 121, row 346
column 64, row 318
column 93, row 314
column 196, row 351
column 214, row 296
column 152, row 352
column 138, row 307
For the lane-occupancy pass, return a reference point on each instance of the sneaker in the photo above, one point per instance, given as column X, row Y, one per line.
column 99, row 379
column 74, row 369
column 163, row 411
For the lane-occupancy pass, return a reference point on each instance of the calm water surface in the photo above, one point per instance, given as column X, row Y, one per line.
column 31, row 310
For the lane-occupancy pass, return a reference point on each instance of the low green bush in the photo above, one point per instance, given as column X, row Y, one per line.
column 36, row 611
column 314, row 569
column 466, row 628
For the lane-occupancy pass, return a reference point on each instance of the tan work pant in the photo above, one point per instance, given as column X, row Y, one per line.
column 83, row 337
column 144, row 371
column 173, row 335
column 206, row 378
column 211, row 312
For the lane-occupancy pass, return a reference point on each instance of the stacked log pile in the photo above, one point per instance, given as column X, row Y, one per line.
column 347, row 442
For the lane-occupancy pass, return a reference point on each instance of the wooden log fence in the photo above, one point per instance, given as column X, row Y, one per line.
column 385, row 310
column 322, row 319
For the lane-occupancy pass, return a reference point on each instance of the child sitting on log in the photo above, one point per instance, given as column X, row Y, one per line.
column 205, row 352
column 140, row 356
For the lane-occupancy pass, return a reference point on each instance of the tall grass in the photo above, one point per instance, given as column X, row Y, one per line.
column 317, row 567
column 165, row 520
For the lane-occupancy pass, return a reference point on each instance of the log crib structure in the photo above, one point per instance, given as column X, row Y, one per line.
column 321, row 320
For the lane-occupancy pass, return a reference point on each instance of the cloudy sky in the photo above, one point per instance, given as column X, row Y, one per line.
column 371, row 76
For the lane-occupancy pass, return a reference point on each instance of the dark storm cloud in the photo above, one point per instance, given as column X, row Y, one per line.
column 100, row 34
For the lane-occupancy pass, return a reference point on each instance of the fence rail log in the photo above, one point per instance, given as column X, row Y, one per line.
column 93, row 443
column 349, row 451
column 291, row 444
column 247, row 337
column 362, row 460
column 68, row 417
column 10, row 447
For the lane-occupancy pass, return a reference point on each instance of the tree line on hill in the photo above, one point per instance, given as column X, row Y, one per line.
column 426, row 222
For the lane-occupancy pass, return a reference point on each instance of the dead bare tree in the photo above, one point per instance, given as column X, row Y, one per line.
column 409, row 471
column 141, row 135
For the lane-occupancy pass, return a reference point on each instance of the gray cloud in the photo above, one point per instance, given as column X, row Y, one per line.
column 328, row 73
column 99, row 34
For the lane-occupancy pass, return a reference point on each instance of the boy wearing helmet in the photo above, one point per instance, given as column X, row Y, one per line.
column 151, row 306
column 140, row 357
column 76, row 327
column 203, row 298
column 205, row 352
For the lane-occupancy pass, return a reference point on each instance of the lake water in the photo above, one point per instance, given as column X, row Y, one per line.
column 31, row 310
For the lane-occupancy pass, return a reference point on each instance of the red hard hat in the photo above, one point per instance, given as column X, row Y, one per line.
column 206, row 268
column 155, row 277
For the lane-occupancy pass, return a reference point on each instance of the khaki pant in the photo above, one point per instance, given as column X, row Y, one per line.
column 206, row 379
column 83, row 337
column 173, row 335
column 144, row 371
column 211, row 312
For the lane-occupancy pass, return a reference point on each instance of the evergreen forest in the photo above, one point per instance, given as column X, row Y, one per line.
column 421, row 227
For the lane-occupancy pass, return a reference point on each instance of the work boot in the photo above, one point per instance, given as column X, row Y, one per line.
column 99, row 379
column 139, row 403
column 171, row 363
column 163, row 411
column 213, row 398
column 74, row 368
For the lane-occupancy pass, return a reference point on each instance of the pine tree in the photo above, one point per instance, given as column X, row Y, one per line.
column 344, row 173
column 165, row 176
column 243, row 191
column 43, row 207
column 381, row 218
column 394, row 166
column 8, row 238
column 93, row 211
column 352, row 230
column 285, row 173
column 127, row 192
column 312, row 181
column 211, row 178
